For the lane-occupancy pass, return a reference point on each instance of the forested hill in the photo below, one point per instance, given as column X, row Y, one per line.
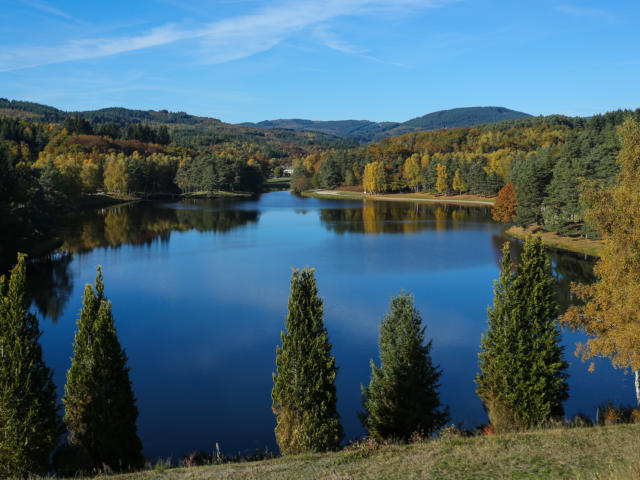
column 543, row 161
column 366, row 131
column 185, row 129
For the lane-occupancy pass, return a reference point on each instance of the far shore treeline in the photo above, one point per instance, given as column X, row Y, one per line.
column 51, row 163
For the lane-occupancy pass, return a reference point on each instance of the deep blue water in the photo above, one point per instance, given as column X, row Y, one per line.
column 200, row 289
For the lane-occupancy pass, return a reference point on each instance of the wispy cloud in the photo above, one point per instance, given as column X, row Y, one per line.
column 330, row 40
column 585, row 12
column 27, row 57
column 46, row 8
column 223, row 40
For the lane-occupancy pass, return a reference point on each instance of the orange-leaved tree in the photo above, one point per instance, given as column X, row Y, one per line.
column 609, row 312
column 504, row 206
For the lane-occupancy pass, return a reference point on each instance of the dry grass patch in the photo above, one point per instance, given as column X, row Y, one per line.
column 553, row 240
column 569, row 453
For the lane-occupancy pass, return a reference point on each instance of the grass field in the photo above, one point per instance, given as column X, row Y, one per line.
column 553, row 240
column 216, row 194
column 611, row 452
column 281, row 183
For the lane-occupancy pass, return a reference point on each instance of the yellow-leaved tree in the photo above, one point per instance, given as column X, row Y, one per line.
column 116, row 176
column 610, row 310
column 442, row 182
column 411, row 172
column 459, row 184
column 374, row 179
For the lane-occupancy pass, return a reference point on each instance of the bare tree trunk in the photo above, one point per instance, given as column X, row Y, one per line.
column 637, row 374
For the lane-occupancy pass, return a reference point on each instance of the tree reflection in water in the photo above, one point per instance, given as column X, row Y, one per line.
column 51, row 284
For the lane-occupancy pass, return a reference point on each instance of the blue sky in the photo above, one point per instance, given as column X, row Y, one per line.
column 244, row 60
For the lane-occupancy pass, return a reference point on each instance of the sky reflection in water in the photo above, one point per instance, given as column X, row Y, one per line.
column 199, row 292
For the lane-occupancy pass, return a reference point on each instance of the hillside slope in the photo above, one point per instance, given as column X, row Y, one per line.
column 567, row 453
column 361, row 131
column 185, row 129
column 367, row 131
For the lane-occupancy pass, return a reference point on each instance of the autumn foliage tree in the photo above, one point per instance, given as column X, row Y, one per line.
column 459, row 183
column 411, row 172
column 609, row 312
column 375, row 178
column 442, row 181
column 504, row 206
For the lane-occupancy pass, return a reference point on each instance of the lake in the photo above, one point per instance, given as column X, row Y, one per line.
column 200, row 289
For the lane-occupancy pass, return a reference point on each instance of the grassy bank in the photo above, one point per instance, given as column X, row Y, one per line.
column 553, row 240
column 402, row 197
column 98, row 200
column 578, row 453
column 216, row 194
column 282, row 183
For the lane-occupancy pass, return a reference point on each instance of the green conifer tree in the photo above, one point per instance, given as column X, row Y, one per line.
column 100, row 410
column 30, row 424
column 402, row 397
column 304, row 393
column 523, row 376
column 531, row 186
column 497, row 347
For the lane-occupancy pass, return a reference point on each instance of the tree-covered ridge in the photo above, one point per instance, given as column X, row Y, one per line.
column 185, row 129
column 464, row 117
column 546, row 158
column 367, row 131
column 37, row 110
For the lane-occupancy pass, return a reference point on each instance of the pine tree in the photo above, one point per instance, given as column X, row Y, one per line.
column 497, row 349
column 100, row 410
column 523, row 376
column 402, row 397
column 304, row 392
column 531, row 186
column 30, row 424
column 562, row 209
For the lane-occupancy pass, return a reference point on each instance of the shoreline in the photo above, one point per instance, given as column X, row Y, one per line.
column 576, row 245
column 469, row 200
column 590, row 248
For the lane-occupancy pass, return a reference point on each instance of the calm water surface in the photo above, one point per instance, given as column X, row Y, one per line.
column 200, row 289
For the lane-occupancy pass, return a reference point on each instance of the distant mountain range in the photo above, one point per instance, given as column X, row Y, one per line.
column 361, row 131
column 367, row 131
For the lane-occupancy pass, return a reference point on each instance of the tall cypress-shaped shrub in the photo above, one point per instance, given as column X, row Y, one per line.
column 497, row 349
column 100, row 410
column 304, row 392
column 402, row 397
column 545, row 388
column 30, row 425
column 522, row 380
